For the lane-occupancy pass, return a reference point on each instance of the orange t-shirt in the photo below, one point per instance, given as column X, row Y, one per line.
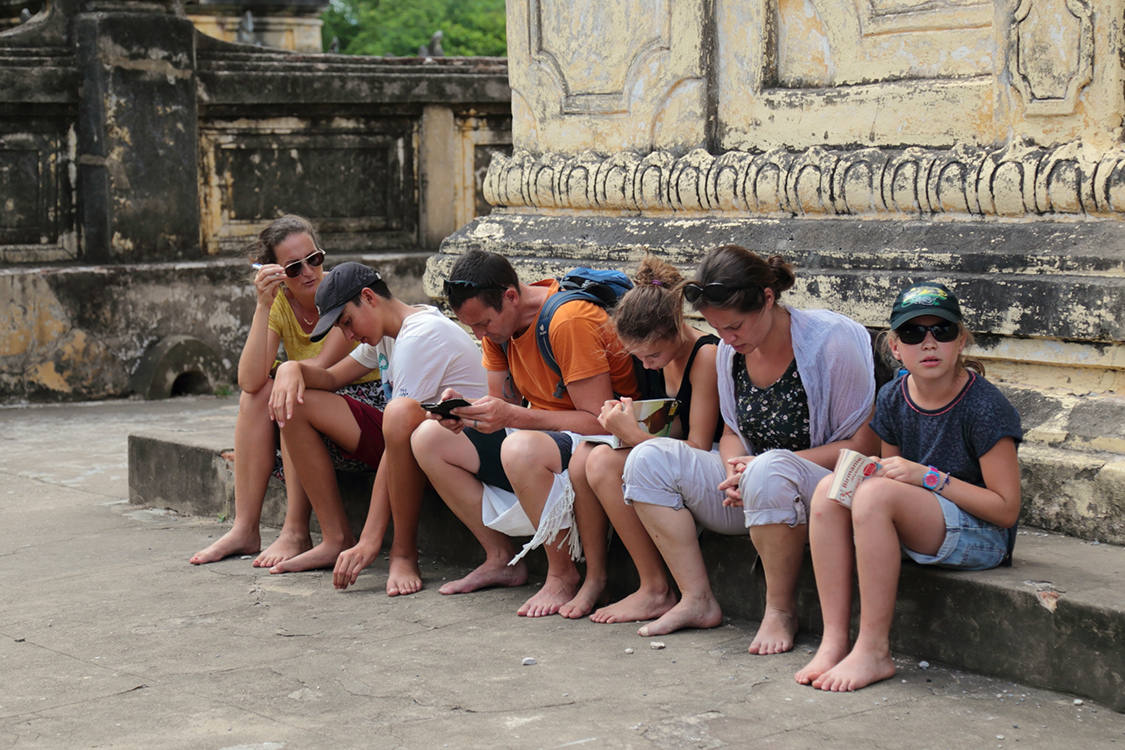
column 584, row 346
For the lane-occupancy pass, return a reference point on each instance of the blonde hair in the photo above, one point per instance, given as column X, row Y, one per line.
column 653, row 309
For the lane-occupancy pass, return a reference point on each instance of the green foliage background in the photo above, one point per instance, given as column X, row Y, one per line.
column 399, row 27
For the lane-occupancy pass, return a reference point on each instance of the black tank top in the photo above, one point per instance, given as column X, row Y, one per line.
column 684, row 396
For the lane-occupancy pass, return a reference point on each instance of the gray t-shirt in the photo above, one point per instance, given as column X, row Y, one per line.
column 952, row 438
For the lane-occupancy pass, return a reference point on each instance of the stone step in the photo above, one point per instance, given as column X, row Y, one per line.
column 1055, row 619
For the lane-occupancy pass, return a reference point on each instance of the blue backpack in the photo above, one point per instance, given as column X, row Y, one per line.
column 603, row 288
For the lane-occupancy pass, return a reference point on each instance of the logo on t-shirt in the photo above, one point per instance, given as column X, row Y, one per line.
column 385, row 376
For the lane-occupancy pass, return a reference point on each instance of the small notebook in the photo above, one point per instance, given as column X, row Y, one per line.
column 852, row 467
column 654, row 416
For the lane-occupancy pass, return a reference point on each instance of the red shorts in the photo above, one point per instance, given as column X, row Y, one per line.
column 370, row 421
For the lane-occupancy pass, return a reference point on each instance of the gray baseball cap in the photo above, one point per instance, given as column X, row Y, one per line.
column 339, row 287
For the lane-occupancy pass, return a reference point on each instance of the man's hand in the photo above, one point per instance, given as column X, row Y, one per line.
column 456, row 426
column 487, row 414
column 288, row 390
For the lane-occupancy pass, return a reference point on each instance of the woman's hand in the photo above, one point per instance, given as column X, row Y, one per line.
column 267, row 282
column 288, row 390
column 351, row 563
column 618, row 417
column 901, row 470
column 729, row 486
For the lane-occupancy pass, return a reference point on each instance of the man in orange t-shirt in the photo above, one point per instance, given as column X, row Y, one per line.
column 496, row 444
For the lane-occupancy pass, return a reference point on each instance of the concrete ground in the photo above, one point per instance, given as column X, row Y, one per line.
column 109, row 638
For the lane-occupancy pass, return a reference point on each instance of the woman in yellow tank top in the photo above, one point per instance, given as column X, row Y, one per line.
column 289, row 262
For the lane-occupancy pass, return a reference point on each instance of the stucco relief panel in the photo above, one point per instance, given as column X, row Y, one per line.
column 798, row 73
column 607, row 77
column 596, row 54
column 830, row 43
column 1052, row 44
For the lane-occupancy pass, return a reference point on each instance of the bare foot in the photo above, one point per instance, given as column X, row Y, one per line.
column 640, row 605
column 585, row 600
column 827, row 656
column 491, row 573
column 689, row 613
column 556, row 592
column 234, row 542
column 858, row 670
column 775, row 634
column 322, row 555
column 405, row 577
column 284, row 547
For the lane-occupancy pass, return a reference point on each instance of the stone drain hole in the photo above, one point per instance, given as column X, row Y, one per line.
column 192, row 383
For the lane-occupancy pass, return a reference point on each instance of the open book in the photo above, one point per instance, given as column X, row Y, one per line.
column 654, row 416
column 852, row 467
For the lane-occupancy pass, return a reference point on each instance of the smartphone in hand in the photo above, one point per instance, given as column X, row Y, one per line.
column 443, row 407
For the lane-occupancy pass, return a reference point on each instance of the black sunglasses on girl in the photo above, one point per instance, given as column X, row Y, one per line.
column 715, row 293
column 293, row 270
column 914, row 333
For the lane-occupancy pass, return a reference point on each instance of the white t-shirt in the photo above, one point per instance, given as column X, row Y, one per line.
column 430, row 354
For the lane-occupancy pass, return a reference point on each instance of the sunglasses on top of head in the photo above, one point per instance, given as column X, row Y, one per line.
column 715, row 293
column 293, row 270
column 458, row 287
column 915, row 333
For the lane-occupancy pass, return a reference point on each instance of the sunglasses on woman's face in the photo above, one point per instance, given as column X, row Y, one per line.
column 714, row 293
column 293, row 270
column 914, row 333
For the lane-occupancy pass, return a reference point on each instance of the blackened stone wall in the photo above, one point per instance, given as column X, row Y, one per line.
column 138, row 157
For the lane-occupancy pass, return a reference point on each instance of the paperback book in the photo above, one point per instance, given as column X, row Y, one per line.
column 654, row 416
column 852, row 467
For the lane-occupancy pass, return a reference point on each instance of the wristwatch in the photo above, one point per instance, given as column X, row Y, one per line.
column 931, row 479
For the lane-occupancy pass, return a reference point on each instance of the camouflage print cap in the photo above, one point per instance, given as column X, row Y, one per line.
column 925, row 298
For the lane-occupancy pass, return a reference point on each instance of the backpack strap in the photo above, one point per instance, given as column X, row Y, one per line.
column 543, row 328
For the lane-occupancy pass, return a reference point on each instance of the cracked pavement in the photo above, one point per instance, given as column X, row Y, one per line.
column 109, row 638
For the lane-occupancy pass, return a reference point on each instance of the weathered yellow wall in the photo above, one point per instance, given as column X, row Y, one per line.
column 296, row 34
column 645, row 75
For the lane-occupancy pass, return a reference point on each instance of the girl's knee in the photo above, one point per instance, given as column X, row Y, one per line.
column 875, row 497
column 820, row 501
column 603, row 461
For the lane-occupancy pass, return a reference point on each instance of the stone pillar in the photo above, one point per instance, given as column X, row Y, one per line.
column 437, row 170
column 138, row 143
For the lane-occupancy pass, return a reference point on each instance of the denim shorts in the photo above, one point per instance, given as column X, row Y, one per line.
column 970, row 543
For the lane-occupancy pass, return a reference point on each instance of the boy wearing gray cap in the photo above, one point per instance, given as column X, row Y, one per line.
column 420, row 353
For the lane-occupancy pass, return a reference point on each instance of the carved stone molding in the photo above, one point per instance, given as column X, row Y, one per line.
column 1052, row 43
column 1019, row 180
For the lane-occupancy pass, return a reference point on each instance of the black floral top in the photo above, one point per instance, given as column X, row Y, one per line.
column 774, row 417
